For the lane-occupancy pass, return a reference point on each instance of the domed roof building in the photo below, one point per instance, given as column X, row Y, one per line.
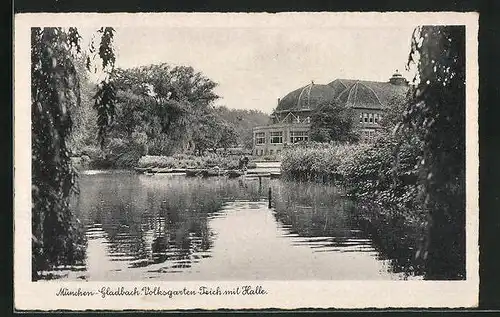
column 291, row 118
column 306, row 98
column 371, row 94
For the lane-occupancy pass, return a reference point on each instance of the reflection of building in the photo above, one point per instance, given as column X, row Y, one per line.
column 291, row 119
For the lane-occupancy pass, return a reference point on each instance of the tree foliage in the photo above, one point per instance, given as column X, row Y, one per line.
column 84, row 131
column 162, row 110
column 105, row 96
column 166, row 110
column 173, row 106
column 333, row 122
column 162, row 101
column 55, row 92
column 436, row 115
column 213, row 132
column 243, row 121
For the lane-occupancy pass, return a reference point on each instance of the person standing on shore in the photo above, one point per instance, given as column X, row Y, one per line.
column 243, row 163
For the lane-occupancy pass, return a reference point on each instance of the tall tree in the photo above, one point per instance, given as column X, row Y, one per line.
column 55, row 91
column 333, row 122
column 228, row 135
column 437, row 116
column 162, row 101
column 213, row 132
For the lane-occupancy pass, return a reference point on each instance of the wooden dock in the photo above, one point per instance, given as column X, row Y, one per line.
column 262, row 170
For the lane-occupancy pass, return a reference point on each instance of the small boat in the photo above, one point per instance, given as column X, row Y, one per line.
column 263, row 175
column 275, row 175
column 193, row 172
column 142, row 169
column 235, row 173
column 167, row 170
column 178, row 170
column 159, row 170
column 213, row 172
column 257, row 176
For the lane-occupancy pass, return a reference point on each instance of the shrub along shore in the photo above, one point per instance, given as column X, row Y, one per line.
column 184, row 161
column 382, row 186
column 176, row 161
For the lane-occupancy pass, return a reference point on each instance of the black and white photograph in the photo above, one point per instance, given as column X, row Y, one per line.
column 201, row 159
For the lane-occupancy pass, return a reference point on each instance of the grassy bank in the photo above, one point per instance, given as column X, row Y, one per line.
column 128, row 157
column 182, row 161
column 382, row 185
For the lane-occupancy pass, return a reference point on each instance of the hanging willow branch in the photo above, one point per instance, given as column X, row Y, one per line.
column 436, row 116
column 105, row 97
column 55, row 90
column 105, row 106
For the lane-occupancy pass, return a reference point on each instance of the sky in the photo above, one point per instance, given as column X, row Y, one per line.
column 257, row 63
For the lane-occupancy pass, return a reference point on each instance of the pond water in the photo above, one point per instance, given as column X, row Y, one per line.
column 172, row 227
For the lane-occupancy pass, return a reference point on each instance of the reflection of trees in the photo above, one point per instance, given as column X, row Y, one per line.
column 312, row 210
column 124, row 231
column 185, row 237
column 167, row 220
column 178, row 228
column 159, row 220
column 394, row 239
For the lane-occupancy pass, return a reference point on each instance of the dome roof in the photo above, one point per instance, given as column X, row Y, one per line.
column 349, row 92
column 360, row 95
column 367, row 94
column 307, row 98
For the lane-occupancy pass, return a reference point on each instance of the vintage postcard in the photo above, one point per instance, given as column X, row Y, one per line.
column 176, row 161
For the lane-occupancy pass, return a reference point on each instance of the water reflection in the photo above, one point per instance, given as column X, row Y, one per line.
column 319, row 217
column 177, row 228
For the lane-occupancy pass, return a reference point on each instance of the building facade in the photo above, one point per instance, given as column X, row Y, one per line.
column 271, row 139
column 291, row 120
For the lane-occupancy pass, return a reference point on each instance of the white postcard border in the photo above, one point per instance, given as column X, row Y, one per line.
column 41, row 295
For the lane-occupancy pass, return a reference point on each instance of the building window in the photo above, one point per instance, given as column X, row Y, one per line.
column 271, row 152
column 370, row 118
column 365, row 117
column 368, row 134
column 361, row 118
column 260, row 138
column 276, row 137
column 298, row 136
column 375, row 118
